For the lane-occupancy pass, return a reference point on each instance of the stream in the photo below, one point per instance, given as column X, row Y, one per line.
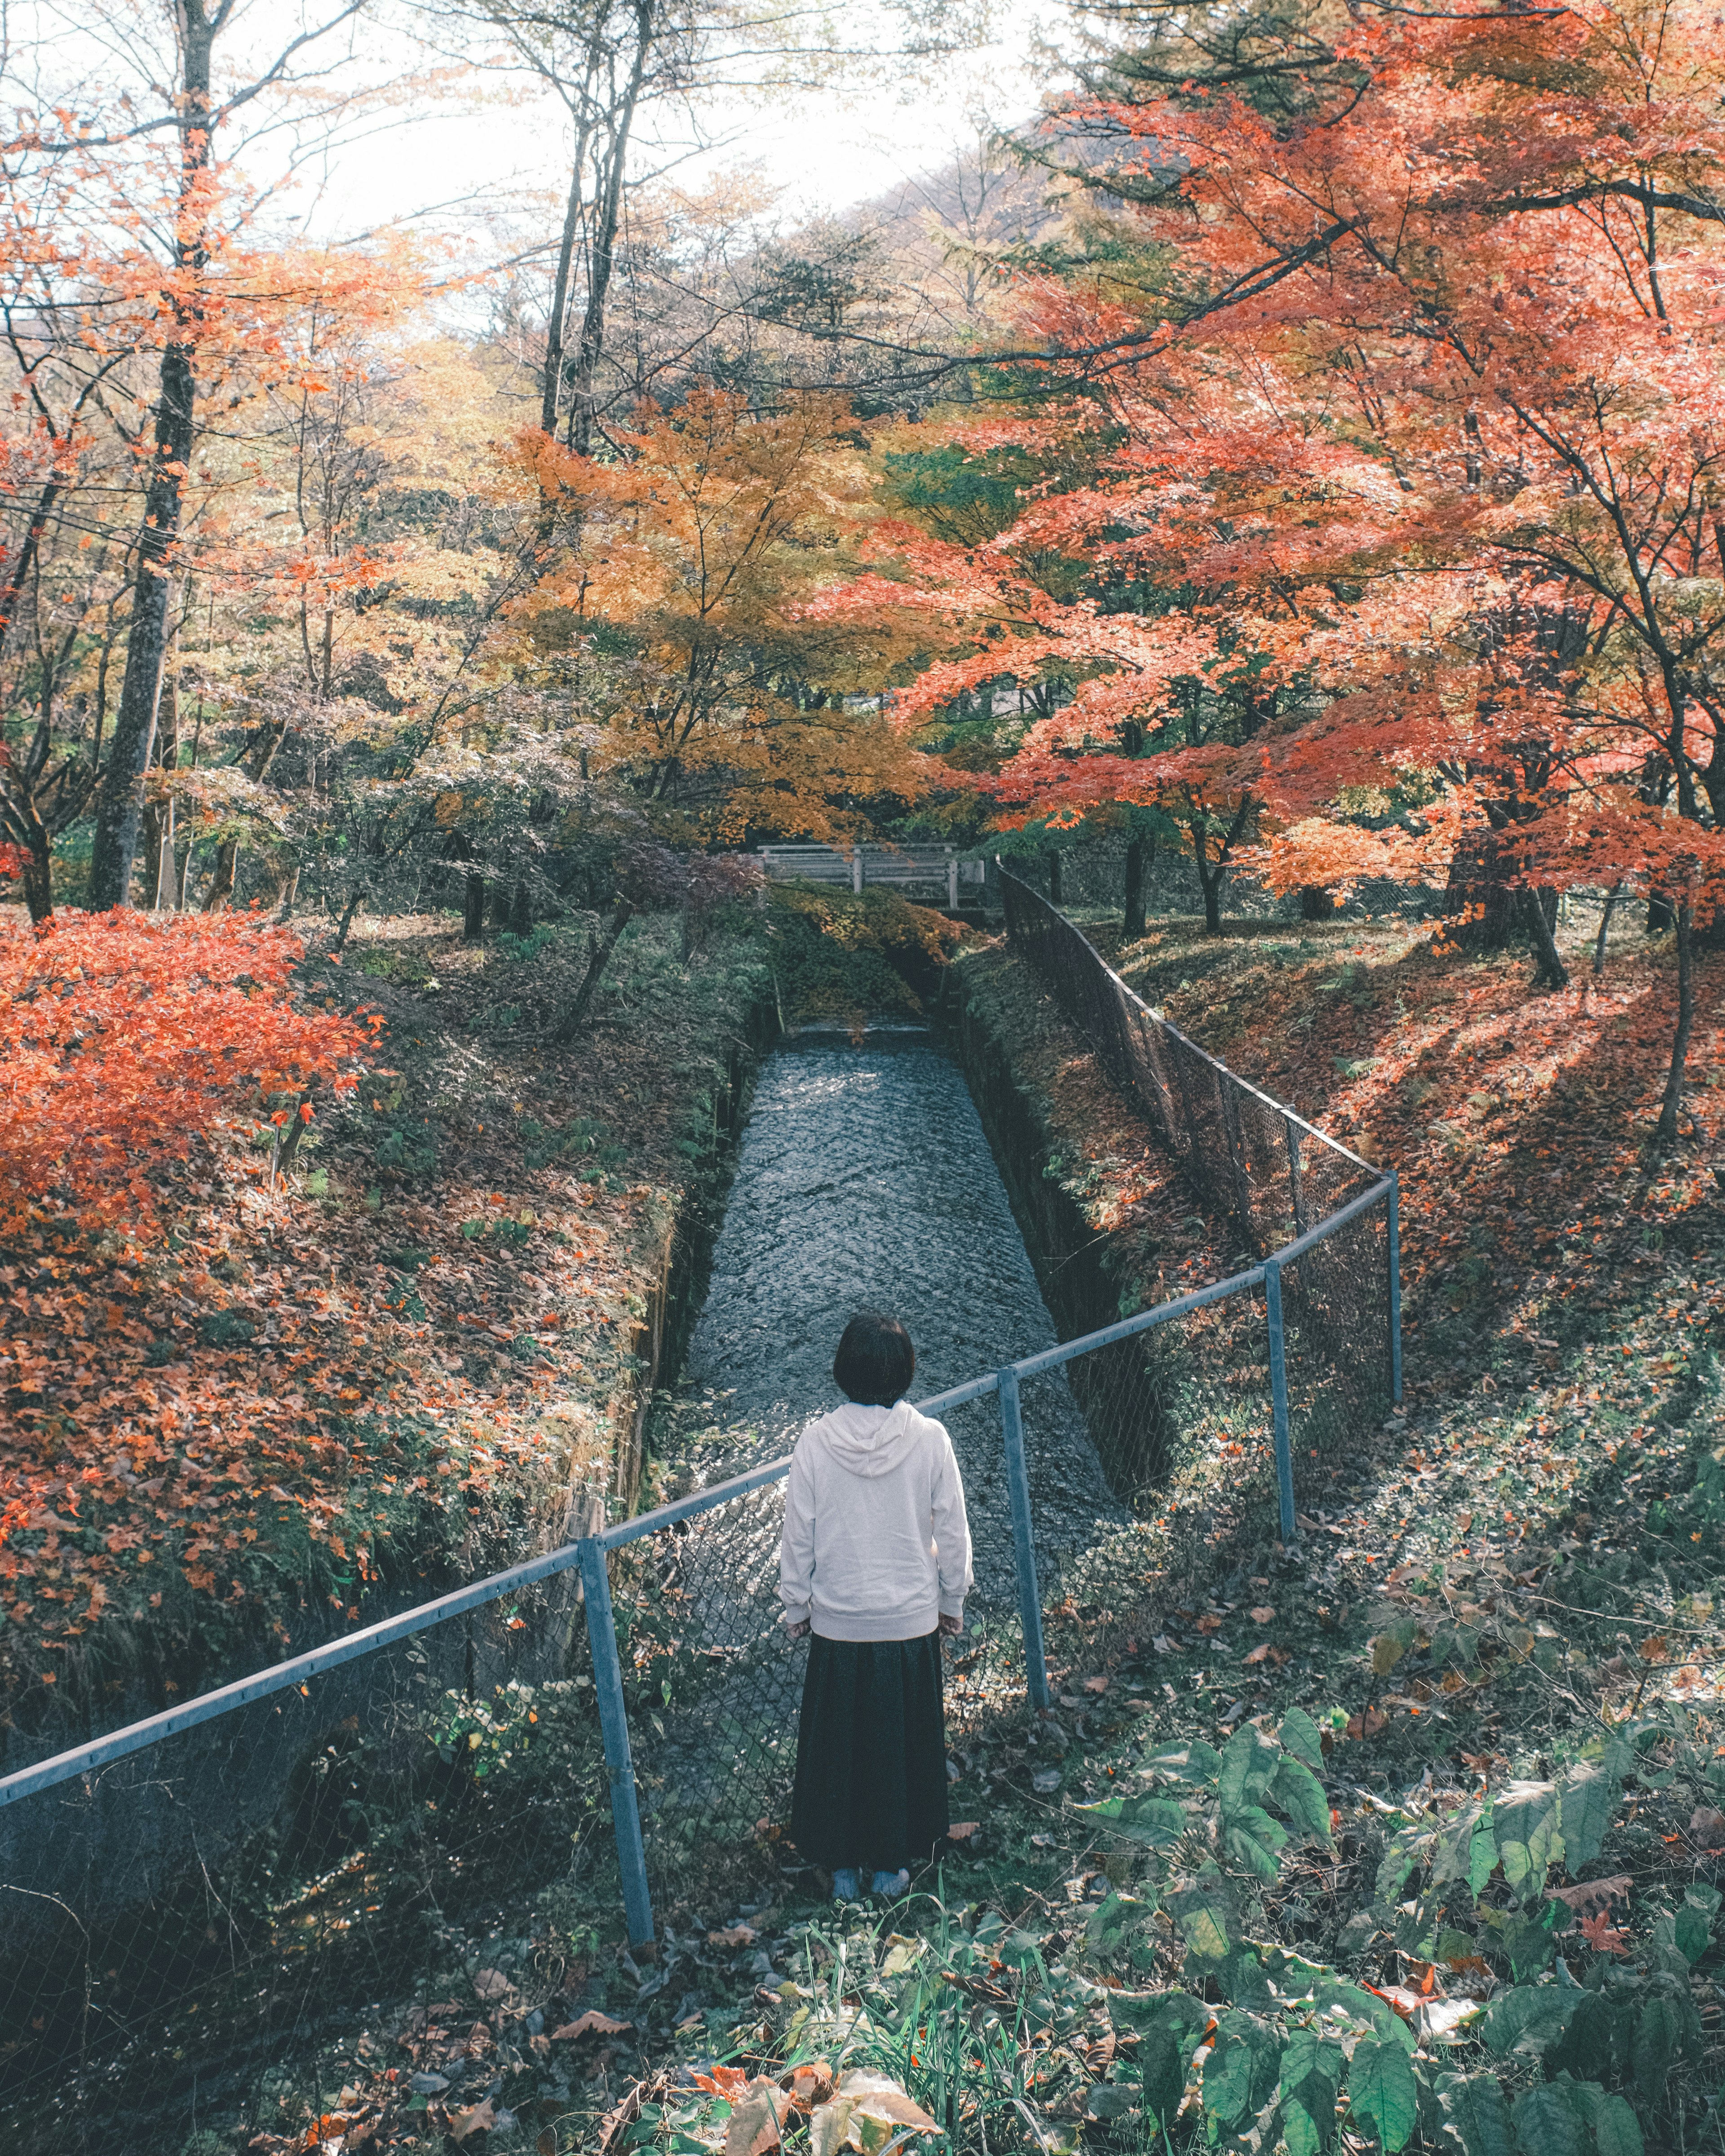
column 864, row 1180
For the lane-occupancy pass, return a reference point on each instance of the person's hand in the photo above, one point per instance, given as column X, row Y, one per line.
column 952, row 1626
column 799, row 1630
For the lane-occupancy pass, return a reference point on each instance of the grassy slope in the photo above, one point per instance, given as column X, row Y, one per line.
column 399, row 1367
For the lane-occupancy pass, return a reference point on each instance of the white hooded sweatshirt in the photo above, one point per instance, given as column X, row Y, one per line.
column 876, row 1546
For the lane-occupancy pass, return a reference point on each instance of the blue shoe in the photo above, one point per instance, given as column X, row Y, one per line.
column 844, row 1886
column 890, row 1885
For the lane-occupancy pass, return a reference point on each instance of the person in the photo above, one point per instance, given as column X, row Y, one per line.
column 874, row 1563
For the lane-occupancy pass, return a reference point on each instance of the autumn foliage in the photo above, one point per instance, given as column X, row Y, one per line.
column 128, row 1042
column 1372, row 470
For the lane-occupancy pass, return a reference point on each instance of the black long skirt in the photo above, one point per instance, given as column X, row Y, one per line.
column 871, row 1755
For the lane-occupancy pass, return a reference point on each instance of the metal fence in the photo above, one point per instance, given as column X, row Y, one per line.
column 216, row 1918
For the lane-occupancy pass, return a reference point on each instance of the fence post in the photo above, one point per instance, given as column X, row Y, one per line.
column 1297, row 1179
column 614, row 1725
column 1279, row 1396
column 1395, row 1287
column 1017, row 1485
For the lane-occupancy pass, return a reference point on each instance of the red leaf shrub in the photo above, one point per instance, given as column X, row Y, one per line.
column 126, row 1040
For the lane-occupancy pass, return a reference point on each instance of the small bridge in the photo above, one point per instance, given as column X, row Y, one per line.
column 901, row 867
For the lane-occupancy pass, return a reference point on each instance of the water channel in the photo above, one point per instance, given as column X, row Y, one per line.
column 864, row 1179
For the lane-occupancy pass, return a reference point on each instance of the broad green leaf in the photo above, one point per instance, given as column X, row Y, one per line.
column 1583, row 2098
column 1659, row 2037
column 1399, row 1859
column 1416, row 1927
column 1451, row 1856
column 1617, row 2132
column 1242, row 2068
column 1301, row 1735
column 1300, row 1794
column 1162, row 2067
column 1156, row 1820
column 1114, row 1916
column 1529, row 2018
column 1546, row 2124
column 1476, row 2119
column 1382, row 2092
column 1175, row 2014
column 1255, row 1840
column 1587, row 2043
column 1209, row 1920
column 1364, row 2007
column 1303, row 2132
column 1482, row 1850
column 1248, row 1769
column 1692, row 1931
column 1311, row 2071
column 1529, row 1841
column 1244, row 1982
column 1586, row 1800
column 1530, row 1942
column 1196, row 1763
column 1392, row 1644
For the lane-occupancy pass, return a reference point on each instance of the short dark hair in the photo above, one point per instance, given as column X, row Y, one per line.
column 876, row 1361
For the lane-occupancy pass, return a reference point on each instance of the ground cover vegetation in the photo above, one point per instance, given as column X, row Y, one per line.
column 1318, row 476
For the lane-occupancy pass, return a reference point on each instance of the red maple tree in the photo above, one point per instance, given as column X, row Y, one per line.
column 1409, row 444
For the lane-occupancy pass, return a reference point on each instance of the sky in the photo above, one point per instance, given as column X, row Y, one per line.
column 815, row 149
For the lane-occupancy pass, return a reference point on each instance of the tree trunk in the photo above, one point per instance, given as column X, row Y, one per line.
column 608, row 209
column 1053, row 859
column 1605, row 912
column 521, row 909
column 473, row 918
column 1685, row 1018
column 1479, row 900
column 341, row 942
column 38, row 875
column 158, row 825
column 167, row 869
column 119, row 807
column 1139, row 853
column 598, row 957
column 1659, row 915
column 557, row 328
column 220, row 895
column 1552, row 971
column 1317, row 904
column 1211, row 881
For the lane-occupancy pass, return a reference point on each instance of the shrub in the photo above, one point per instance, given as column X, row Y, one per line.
column 128, row 1040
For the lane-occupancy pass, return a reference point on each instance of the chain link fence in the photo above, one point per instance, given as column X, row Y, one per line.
column 1092, row 877
column 213, row 1919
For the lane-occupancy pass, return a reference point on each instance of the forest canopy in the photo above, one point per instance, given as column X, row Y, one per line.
column 1295, row 447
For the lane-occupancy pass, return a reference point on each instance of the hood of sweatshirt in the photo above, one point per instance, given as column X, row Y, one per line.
column 872, row 1441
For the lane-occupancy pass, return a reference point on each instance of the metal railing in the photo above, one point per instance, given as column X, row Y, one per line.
column 198, row 1892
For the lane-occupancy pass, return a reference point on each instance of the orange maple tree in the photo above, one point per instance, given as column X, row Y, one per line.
column 676, row 598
